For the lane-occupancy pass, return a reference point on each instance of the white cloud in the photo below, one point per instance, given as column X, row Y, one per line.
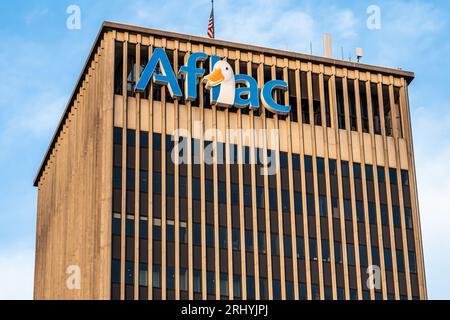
column 16, row 273
column 35, row 14
column 413, row 18
column 34, row 120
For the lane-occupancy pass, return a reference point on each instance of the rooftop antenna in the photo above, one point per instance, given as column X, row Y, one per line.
column 359, row 54
column 342, row 53
column 310, row 47
column 327, row 46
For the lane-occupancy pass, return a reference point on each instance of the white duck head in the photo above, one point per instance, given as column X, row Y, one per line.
column 222, row 75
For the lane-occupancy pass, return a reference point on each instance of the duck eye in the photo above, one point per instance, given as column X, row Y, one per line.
column 227, row 68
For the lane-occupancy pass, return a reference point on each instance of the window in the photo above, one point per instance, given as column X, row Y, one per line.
column 400, row 261
column 325, row 250
column 283, row 160
column 298, row 203
column 348, row 209
column 308, row 164
column 408, row 218
column 387, row 110
column 289, row 290
column 345, row 169
column 250, row 287
column 223, row 238
column 222, row 193
column 305, row 99
column 375, row 256
column 170, row 230
column 196, row 234
column 274, row 244
column 360, row 210
column 357, row 171
column 130, row 179
column 387, row 259
column 183, row 233
column 263, row 289
column 312, row 249
column 375, row 108
column 236, row 239
column 316, row 100
column 338, row 252
column 170, row 278
column 261, row 242
column 369, row 173
column 352, row 105
column 293, row 95
column 196, row 190
column 143, row 275
column 286, row 201
column 302, row 291
column 273, row 199
column 129, row 272
column 393, row 176
column 210, row 236
column 335, row 207
column 118, row 68
column 157, row 230
column 363, row 103
column 130, row 226
column 276, row 290
column 287, row 242
column 247, row 196
column 156, row 276
column 183, row 279
column 384, row 215
column 224, row 284
column 300, row 248
column 363, row 255
column 405, row 178
column 248, row 240
column 197, row 281
column 237, row 286
column 210, row 283
column 323, row 206
column 340, row 103
column 143, row 228
column 350, row 254
column 115, row 271
column 333, row 167
column 310, row 205
column 143, row 181
column 396, row 216
column 320, row 166
column 412, row 261
column 372, row 213
column 116, row 225
column 117, row 178
column 398, row 110
column 327, row 100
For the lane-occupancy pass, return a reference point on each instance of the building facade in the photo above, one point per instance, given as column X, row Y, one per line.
column 337, row 219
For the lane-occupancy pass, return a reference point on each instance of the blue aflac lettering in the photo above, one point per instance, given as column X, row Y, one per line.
column 227, row 89
column 165, row 77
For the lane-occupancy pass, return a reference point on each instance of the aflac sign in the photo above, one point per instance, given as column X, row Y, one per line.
column 227, row 89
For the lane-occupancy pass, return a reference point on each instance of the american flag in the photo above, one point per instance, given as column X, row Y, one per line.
column 211, row 33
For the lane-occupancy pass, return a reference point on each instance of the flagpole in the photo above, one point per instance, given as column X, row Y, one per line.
column 211, row 31
column 212, row 3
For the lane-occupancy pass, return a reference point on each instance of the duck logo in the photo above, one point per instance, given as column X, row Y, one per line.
column 227, row 89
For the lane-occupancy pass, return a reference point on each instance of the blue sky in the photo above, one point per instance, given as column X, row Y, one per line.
column 40, row 60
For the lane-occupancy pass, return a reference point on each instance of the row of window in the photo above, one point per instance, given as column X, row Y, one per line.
column 274, row 237
column 224, row 284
